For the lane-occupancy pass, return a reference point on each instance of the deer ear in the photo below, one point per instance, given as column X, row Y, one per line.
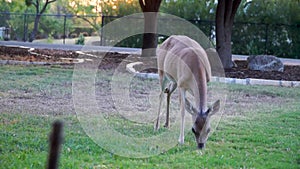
column 190, row 108
column 214, row 108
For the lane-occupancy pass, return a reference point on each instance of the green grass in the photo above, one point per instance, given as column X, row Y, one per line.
column 259, row 138
column 36, row 80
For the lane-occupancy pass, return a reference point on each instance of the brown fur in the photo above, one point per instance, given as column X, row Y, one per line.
column 183, row 62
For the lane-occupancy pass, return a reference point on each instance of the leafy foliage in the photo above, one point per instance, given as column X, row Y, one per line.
column 28, row 2
column 80, row 40
column 190, row 10
column 272, row 27
column 261, row 26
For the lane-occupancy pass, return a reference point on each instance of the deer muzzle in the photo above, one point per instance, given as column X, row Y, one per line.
column 201, row 145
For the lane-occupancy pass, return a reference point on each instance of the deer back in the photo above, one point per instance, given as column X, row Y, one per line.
column 178, row 53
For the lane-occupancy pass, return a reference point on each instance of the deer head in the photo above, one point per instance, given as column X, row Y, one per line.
column 201, row 127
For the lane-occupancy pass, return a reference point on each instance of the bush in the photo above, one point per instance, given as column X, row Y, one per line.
column 50, row 38
column 80, row 40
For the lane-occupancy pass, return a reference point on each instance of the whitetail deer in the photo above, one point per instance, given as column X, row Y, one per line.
column 183, row 62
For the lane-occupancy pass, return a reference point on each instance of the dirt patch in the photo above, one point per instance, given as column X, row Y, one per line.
column 290, row 73
column 112, row 60
column 37, row 55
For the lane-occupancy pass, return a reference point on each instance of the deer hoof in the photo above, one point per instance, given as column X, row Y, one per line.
column 156, row 127
column 181, row 142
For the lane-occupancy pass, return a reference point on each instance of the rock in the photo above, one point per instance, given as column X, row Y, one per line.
column 265, row 63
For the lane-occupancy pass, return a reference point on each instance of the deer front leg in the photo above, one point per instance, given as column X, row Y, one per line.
column 168, row 110
column 161, row 97
column 169, row 91
column 182, row 111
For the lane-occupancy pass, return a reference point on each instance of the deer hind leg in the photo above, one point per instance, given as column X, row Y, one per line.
column 169, row 90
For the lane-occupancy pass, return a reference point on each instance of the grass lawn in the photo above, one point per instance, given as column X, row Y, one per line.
column 259, row 129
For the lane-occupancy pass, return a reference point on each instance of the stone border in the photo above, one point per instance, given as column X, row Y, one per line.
column 247, row 81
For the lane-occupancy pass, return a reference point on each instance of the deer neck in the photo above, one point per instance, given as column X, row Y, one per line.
column 201, row 94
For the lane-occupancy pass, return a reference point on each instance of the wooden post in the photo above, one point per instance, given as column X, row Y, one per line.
column 55, row 144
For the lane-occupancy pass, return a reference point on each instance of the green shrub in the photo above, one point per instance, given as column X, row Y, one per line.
column 80, row 40
column 50, row 38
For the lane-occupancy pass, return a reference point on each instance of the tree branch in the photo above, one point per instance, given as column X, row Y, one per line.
column 88, row 21
column 37, row 6
column 228, row 11
column 45, row 5
column 34, row 4
column 141, row 2
column 220, row 20
column 220, row 11
column 157, row 5
column 150, row 5
column 235, row 6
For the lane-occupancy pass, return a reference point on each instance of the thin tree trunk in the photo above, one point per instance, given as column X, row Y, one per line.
column 56, row 138
column 38, row 15
column 35, row 27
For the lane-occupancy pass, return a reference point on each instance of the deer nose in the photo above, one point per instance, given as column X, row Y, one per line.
column 200, row 145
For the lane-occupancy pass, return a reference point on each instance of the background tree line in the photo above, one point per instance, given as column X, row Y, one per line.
column 248, row 35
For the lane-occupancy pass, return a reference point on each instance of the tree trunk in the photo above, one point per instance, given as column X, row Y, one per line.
column 35, row 27
column 150, row 9
column 223, row 38
column 226, row 10
column 38, row 15
column 150, row 34
column 225, row 54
